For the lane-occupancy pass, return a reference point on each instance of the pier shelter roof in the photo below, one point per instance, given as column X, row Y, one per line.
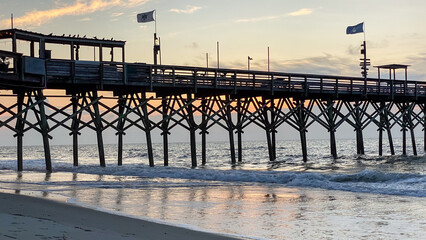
column 392, row 68
column 74, row 41
column 63, row 39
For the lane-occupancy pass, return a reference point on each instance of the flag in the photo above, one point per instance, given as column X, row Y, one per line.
column 145, row 17
column 355, row 29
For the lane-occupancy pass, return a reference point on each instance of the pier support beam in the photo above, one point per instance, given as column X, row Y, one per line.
column 147, row 125
column 120, row 127
column 359, row 136
column 165, row 130
column 19, row 128
column 230, row 127
column 331, row 128
column 98, row 124
column 267, row 126
column 384, row 110
column 381, row 123
column 74, row 127
column 240, row 130
column 424, row 126
column 300, row 104
column 44, row 127
column 203, row 128
column 409, row 120
column 192, row 129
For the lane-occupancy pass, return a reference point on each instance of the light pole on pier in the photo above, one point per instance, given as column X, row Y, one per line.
column 248, row 62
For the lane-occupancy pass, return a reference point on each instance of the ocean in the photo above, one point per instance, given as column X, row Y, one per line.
column 352, row 197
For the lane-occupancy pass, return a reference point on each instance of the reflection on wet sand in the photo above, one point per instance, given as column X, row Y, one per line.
column 273, row 210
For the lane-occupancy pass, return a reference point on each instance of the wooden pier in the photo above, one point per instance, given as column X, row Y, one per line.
column 230, row 98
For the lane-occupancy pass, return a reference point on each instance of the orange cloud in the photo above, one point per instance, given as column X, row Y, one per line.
column 79, row 7
column 301, row 12
column 188, row 10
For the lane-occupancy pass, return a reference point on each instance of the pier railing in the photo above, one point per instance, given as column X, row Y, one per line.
column 65, row 73
column 111, row 73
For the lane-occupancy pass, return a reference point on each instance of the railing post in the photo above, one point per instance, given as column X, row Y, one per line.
column 150, row 78
column 215, row 78
column 125, row 73
column 73, row 72
column 378, row 87
column 195, row 81
column 289, row 83
column 173, row 77
column 101, row 75
column 336, row 90
column 235, row 82
column 415, row 90
column 306, row 86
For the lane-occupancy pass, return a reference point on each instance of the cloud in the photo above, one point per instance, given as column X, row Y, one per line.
column 325, row 64
column 300, row 12
column 193, row 45
column 85, row 19
column 258, row 19
column 78, row 7
column 117, row 14
column 188, row 10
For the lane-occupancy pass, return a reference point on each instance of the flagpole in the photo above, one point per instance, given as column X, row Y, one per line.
column 155, row 22
column 363, row 25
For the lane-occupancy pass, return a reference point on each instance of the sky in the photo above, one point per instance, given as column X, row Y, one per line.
column 306, row 36
column 303, row 36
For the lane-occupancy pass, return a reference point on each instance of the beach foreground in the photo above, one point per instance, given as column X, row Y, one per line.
column 25, row 217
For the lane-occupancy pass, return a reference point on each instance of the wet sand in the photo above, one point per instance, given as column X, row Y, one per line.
column 25, row 217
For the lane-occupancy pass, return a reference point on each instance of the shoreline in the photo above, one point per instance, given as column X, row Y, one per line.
column 27, row 217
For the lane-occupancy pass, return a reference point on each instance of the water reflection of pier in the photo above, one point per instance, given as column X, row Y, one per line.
column 231, row 99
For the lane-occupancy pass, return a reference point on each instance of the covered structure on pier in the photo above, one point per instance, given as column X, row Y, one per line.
column 392, row 70
column 74, row 42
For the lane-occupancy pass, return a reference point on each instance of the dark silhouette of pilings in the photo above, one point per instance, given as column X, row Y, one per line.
column 232, row 113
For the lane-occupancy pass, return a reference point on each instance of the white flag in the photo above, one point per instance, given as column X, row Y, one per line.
column 145, row 17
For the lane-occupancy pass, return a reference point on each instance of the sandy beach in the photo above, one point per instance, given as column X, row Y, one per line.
column 25, row 217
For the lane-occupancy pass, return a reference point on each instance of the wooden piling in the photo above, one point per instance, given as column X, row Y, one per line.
column 424, row 127
column 388, row 130
column 273, row 130
column 203, row 130
column 20, row 129
column 411, row 127
column 302, row 128
column 267, row 127
column 192, row 129
column 98, row 124
column 74, row 127
column 331, row 129
column 240, row 130
column 44, row 129
column 147, row 125
column 165, row 133
column 404, row 129
column 359, row 135
column 230, row 126
column 120, row 126
column 381, row 123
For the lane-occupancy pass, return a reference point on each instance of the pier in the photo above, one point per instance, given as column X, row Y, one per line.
column 230, row 98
